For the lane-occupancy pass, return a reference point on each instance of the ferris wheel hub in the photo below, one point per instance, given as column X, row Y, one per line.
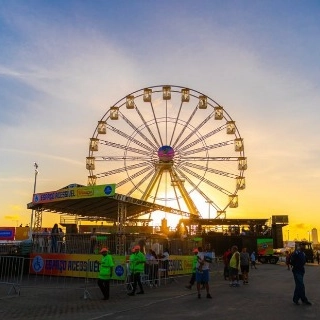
column 166, row 153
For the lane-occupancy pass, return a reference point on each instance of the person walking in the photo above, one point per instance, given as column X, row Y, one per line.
column 297, row 261
column 226, row 261
column 288, row 256
column 244, row 265
column 253, row 260
column 136, row 264
column 194, row 269
column 202, row 273
column 234, row 267
column 105, row 273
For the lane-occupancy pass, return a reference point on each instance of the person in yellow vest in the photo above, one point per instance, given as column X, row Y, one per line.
column 136, row 265
column 234, row 267
column 105, row 273
column 194, row 268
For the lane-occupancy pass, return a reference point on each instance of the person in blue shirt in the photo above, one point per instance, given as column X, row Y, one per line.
column 297, row 261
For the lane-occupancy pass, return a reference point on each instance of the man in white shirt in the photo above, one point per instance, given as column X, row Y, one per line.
column 202, row 272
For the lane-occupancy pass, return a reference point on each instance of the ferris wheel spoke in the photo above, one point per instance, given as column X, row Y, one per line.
column 185, row 127
column 204, row 195
column 122, row 147
column 176, row 123
column 205, row 148
column 148, row 128
column 123, row 169
column 156, row 122
column 121, row 158
column 130, row 138
column 135, row 175
column 173, row 176
column 195, row 129
column 208, row 182
column 184, row 159
column 215, row 171
column 142, row 181
column 204, row 138
column 139, row 132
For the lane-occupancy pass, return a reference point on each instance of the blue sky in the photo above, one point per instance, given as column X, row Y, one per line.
column 64, row 63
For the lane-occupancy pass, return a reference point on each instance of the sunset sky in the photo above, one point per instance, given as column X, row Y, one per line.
column 64, row 63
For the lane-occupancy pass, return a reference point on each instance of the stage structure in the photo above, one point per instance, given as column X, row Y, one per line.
column 93, row 203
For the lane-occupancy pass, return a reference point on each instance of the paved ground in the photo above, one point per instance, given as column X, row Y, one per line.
column 268, row 296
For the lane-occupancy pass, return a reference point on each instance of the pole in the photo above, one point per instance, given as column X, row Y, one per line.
column 34, row 191
column 209, row 203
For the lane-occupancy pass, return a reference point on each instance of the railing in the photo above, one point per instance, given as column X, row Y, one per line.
column 11, row 270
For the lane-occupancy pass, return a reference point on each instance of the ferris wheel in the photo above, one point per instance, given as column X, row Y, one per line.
column 172, row 146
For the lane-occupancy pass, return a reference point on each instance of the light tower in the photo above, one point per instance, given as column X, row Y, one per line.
column 314, row 234
column 34, row 191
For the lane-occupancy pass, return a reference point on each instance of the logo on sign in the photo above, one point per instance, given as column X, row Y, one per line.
column 108, row 190
column 37, row 264
column 119, row 271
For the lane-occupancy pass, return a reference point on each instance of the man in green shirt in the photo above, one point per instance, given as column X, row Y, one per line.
column 136, row 266
column 105, row 273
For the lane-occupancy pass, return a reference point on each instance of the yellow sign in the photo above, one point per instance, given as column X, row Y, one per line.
column 87, row 266
column 74, row 265
column 105, row 190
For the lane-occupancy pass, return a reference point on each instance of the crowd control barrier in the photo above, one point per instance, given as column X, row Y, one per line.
column 11, row 271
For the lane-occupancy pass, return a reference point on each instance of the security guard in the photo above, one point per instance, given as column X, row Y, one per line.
column 105, row 273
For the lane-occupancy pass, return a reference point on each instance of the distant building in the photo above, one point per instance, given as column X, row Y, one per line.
column 314, row 235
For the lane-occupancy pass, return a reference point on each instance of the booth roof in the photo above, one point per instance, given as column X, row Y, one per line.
column 107, row 208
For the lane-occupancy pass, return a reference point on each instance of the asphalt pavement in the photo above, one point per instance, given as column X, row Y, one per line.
column 267, row 296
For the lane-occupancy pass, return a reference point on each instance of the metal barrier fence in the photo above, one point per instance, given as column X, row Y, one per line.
column 8, row 248
column 11, row 271
column 37, row 274
column 79, row 243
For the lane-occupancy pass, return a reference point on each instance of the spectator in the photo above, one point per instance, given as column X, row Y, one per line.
column 244, row 265
column 298, row 260
column 105, row 273
column 288, row 259
column 202, row 273
column 234, row 267
column 165, row 262
column 61, row 240
column 226, row 261
column 54, row 238
column 253, row 260
column 152, row 267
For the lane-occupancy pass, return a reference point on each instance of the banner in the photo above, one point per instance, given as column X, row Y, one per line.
column 75, row 265
column 88, row 265
column 265, row 246
column 106, row 190
column 7, row 233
